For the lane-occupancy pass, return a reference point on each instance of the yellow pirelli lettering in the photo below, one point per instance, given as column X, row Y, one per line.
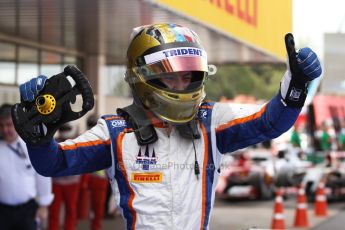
column 150, row 177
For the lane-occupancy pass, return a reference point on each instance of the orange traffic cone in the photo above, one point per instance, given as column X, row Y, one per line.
column 278, row 221
column 301, row 216
column 320, row 208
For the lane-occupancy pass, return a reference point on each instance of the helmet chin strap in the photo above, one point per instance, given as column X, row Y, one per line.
column 143, row 128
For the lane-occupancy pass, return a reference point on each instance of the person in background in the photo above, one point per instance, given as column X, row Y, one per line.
column 341, row 136
column 24, row 194
column 164, row 152
column 325, row 138
column 296, row 143
column 65, row 189
column 295, row 139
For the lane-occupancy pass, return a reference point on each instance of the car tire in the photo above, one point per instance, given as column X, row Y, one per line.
column 264, row 191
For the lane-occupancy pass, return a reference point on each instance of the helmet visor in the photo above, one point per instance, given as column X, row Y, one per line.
column 178, row 82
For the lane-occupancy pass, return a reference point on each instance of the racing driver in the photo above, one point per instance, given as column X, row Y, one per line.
column 163, row 152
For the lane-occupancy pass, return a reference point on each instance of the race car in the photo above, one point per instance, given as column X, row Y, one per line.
column 255, row 173
column 331, row 173
column 245, row 177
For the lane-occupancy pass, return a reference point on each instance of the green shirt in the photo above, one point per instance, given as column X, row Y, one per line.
column 295, row 140
column 325, row 141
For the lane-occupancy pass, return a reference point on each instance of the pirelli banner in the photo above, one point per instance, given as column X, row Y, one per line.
column 261, row 24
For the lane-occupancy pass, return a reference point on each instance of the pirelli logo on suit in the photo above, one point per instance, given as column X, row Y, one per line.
column 149, row 177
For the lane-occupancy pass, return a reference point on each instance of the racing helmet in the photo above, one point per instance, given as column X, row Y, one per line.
column 162, row 50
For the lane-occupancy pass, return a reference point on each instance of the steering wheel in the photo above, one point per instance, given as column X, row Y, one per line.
column 36, row 122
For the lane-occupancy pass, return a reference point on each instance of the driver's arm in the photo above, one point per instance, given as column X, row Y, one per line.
column 87, row 153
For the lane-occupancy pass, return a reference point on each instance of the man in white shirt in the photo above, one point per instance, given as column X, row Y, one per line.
column 24, row 194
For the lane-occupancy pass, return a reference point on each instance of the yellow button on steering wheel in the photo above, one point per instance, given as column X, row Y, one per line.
column 45, row 104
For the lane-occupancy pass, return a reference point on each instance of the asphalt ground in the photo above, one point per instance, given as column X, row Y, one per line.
column 241, row 215
column 336, row 222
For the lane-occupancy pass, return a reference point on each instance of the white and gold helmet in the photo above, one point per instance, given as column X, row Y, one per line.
column 157, row 50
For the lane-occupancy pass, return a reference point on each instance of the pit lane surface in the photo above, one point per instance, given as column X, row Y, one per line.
column 258, row 214
column 240, row 215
